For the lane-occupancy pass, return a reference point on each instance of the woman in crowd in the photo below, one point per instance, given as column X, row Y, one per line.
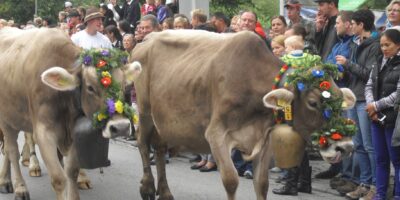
column 393, row 13
column 380, row 94
column 278, row 26
column 168, row 23
column 114, row 35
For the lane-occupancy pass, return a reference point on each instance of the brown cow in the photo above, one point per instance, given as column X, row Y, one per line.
column 203, row 92
column 44, row 90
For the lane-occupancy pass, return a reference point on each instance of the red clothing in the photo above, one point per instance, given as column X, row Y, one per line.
column 147, row 9
column 260, row 31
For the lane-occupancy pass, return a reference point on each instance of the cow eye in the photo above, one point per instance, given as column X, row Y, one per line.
column 91, row 89
column 313, row 103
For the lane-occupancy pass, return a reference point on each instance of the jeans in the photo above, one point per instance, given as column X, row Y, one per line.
column 207, row 157
column 363, row 148
column 382, row 138
column 241, row 165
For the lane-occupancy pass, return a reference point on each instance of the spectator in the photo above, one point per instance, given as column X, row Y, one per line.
column 393, row 14
column 131, row 12
column 248, row 21
column 67, row 6
column 278, row 26
column 234, row 27
column 299, row 30
column 91, row 37
column 325, row 36
column 37, row 21
column 115, row 9
column 220, row 21
column 115, row 36
column 3, row 23
column 82, row 12
column 163, row 11
column 129, row 42
column 380, row 94
column 108, row 18
column 181, row 23
column 124, row 27
column 74, row 20
column 278, row 45
column 62, row 17
column 149, row 24
column 148, row 8
column 139, row 36
column 198, row 17
column 168, row 23
column 359, row 68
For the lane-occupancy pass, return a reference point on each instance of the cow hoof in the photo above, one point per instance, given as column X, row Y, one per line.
column 22, row 196
column 6, row 188
column 25, row 163
column 166, row 197
column 148, row 194
column 84, row 185
column 35, row 172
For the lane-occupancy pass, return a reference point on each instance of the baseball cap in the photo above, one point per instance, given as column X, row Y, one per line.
column 294, row 3
column 67, row 4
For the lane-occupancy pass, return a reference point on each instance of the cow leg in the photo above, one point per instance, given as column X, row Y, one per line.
column 146, row 127
column 83, row 180
column 216, row 137
column 12, row 152
column 34, row 167
column 260, row 168
column 162, row 187
column 5, row 177
column 47, row 142
column 25, row 153
column 72, row 171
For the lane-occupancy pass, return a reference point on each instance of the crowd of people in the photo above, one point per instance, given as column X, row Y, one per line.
column 367, row 57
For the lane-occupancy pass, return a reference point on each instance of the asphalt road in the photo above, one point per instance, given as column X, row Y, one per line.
column 121, row 180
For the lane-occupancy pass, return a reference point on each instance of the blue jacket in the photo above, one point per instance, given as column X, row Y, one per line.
column 343, row 47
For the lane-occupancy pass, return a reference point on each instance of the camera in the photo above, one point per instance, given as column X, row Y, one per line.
column 381, row 119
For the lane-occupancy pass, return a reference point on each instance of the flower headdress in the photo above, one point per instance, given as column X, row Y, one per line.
column 318, row 76
column 105, row 60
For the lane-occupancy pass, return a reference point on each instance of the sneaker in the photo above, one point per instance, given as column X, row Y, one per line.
column 346, row 188
column 276, row 170
column 371, row 194
column 248, row 174
column 361, row 191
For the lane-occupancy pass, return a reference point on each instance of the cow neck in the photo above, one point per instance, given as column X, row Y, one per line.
column 284, row 115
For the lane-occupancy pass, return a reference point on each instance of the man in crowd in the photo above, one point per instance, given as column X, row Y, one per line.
column 148, row 24
column 220, row 21
column 248, row 21
column 325, row 36
column 198, row 18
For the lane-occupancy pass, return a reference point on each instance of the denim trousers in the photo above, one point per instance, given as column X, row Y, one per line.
column 241, row 165
column 385, row 152
column 363, row 149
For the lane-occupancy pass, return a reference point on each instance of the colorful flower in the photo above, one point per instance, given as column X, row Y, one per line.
column 323, row 142
column 105, row 74
column 101, row 116
column 119, row 107
column 101, row 63
column 105, row 53
column 110, row 106
column 300, row 86
column 327, row 113
column 326, row 94
column 106, row 81
column 135, row 119
column 87, row 60
column 318, row 73
column 336, row 136
column 325, row 85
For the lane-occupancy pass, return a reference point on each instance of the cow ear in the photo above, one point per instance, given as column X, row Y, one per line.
column 279, row 95
column 349, row 99
column 132, row 71
column 59, row 79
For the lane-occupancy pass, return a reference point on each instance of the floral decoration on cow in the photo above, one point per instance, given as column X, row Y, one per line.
column 318, row 76
column 105, row 60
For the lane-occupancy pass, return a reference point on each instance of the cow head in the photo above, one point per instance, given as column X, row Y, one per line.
column 101, row 79
column 316, row 105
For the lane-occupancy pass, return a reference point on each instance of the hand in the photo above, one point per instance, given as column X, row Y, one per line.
column 341, row 60
column 371, row 110
column 320, row 22
column 374, row 117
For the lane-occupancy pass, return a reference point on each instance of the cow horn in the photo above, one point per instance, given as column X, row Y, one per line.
column 349, row 99
column 270, row 100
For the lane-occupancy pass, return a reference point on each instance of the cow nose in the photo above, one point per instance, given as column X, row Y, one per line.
column 117, row 127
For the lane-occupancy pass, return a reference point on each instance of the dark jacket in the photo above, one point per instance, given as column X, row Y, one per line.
column 326, row 38
column 131, row 13
column 364, row 57
column 383, row 82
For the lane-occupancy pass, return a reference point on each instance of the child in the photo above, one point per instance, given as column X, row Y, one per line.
column 295, row 57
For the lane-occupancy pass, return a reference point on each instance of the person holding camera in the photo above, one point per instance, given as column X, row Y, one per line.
column 381, row 95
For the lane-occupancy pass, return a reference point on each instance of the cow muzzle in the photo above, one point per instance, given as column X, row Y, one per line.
column 117, row 127
column 337, row 151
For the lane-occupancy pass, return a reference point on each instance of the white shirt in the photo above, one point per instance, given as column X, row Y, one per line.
column 86, row 41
